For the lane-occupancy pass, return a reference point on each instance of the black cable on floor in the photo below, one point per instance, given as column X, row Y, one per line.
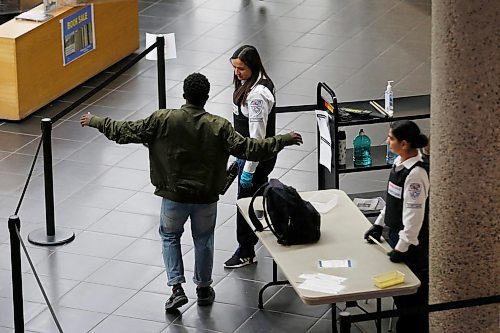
column 29, row 177
column 39, row 283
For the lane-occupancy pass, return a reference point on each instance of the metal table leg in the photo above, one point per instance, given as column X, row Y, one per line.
column 378, row 322
column 274, row 282
column 334, row 318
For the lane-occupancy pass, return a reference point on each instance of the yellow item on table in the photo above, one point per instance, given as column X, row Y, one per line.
column 388, row 279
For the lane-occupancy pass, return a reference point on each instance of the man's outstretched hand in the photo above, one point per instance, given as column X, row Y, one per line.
column 85, row 119
column 296, row 138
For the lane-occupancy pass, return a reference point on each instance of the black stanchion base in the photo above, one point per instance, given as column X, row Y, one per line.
column 40, row 237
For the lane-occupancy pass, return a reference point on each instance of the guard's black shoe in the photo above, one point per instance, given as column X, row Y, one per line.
column 177, row 299
column 206, row 295
column 236, row 262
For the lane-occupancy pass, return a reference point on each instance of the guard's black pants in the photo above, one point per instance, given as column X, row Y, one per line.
column 418, row 263
column 244, row 234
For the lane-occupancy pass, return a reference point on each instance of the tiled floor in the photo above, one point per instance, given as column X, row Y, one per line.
column 111, row 278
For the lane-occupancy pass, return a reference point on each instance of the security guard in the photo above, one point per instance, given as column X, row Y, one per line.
column 254, row 116
column 406, row 214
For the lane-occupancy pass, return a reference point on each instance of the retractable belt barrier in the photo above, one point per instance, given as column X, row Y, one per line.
column 50, row 236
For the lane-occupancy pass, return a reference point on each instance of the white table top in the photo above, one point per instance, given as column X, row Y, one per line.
column 342, row 230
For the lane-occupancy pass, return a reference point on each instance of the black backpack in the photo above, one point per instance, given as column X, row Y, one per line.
column 290, row 218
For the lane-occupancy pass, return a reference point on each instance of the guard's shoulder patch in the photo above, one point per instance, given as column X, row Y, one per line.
column 257, row 106
column 414, row 189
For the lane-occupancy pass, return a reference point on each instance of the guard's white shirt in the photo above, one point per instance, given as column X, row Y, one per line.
column 256, row 108
column 413, row 202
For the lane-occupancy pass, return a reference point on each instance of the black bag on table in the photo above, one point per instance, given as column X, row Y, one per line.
column 290, row 218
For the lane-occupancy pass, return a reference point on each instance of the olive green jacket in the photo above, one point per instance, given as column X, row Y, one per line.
column 189, row 149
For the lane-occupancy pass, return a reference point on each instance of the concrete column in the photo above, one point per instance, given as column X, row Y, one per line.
column 465, row 162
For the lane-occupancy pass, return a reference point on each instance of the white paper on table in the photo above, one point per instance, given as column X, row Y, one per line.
column 321, row 276
column 369, row 204
column 365, row 204
column 170, row 50
column 334, row 263
column 325, row 141
column 320, row 282
column 321, row 286
column 323, row 203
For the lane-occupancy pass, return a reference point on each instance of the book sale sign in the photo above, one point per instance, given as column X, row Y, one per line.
column 78, row 36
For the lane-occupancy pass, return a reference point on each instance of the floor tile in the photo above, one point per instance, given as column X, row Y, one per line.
column 128, row 179
column 125, row 324
column 69, row 216
column 6, row 308
column 125, row 224
column 98, row 244
column 136, row 160
column 54, row 288
column 37, row 254
column 301, row 180
column 267, row 321
column 71, row 320
column 124, row 274
column 229, row 317
column 286, row 300
column 289, row 157
column 69, row 266
column 60, row 148
column 245, row 289
column 96, row 297
column 143, row 251
column 100, row 196
column 142, row 203
column 11, row 142
column 149, row 306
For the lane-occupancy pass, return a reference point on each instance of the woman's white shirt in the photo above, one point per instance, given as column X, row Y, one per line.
column 257, row 107
column 416, row 191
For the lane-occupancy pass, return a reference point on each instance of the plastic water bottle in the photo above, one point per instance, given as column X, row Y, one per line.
column 362, row 150
column 390, row 156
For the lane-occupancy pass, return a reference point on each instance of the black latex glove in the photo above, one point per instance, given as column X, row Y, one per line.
column 375, row 231
column 396, row 256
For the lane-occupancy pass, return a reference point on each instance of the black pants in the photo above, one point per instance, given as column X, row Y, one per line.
column 244, row 234
column 417, row 261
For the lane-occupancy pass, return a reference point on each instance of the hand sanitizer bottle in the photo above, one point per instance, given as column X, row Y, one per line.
column 362, row 150
column 389, row 99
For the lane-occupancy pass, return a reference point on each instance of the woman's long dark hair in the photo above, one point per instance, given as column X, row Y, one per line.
column 249, row 56
column 409, row 131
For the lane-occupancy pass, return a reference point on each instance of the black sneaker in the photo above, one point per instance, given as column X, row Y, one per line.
column 206, row 295
column 176, row 300
column 236, row 262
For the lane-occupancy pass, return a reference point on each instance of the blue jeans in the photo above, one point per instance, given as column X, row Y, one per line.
column 173, row 216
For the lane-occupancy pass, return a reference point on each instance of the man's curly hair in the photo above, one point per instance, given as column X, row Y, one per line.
column 196, row 89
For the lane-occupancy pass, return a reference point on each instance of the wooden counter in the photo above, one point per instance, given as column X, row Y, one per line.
column 32, row 72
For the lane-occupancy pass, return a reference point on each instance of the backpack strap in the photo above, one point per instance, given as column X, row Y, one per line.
column 251, row 211
column 266, row 215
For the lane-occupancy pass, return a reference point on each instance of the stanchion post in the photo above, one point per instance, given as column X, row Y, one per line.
column 50, row 236
column 162, row 90
column 17, row 278
column 48, row 176
column 345, row 322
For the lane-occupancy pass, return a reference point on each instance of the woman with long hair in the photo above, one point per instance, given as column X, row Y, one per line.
column 254, row 116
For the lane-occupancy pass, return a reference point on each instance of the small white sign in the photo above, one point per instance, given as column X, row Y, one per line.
column 325, row 141
column 334, row 263
column 170, row 49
